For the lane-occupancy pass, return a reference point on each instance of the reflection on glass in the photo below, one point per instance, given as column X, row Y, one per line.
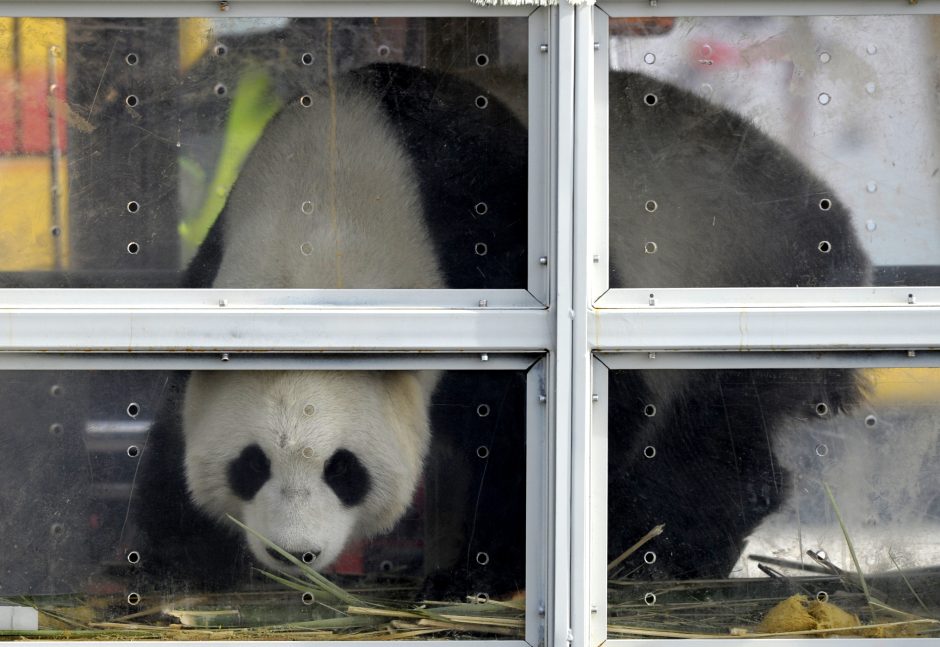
column 774, row 115
column 731, row 491
column 121, row 141
column 258, row 501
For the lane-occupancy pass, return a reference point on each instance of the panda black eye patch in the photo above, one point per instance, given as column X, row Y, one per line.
column 248, row 472
column 347, row 477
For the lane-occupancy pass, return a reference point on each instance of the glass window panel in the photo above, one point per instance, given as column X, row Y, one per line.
column 730, row 491
column 113, row 512
column 343, row 153
column 773, row 151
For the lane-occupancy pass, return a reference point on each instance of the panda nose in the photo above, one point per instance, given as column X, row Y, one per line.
column 307, row 557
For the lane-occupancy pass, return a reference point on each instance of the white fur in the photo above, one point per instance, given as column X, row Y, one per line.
column 365, row 230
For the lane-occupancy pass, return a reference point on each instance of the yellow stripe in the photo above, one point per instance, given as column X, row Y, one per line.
column 26, row 240
column 904, row 385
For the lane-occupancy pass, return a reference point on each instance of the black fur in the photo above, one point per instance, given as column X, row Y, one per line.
column 249, row 472
column 347, row 477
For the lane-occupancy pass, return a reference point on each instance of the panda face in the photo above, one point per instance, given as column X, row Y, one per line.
column 308, row 459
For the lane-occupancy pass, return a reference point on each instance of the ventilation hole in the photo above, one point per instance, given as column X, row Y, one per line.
column 650, row 247
column 133, row 451
column 309, row 410
column 133, row 557
column 220, row 89
column 57, row 530
column 871, row 421
column 651, row 99
column 307, row 598
column 825, row 204
column 822, row 596
column 55, row 390
column 133, row 206
column 649, row 451
column 649, row 58
column 55, row 231
column 483, row 60
column 482, row 558
column 483, row 410
column 384, row 51
column 651, row 206
column 481, row 598
column 483, row 451
column 649, row 410
column 649, row 557
column 133, row 248
column 131, row 59
column 307, row 207
column 824, row 98
column 480, row 249
column 307, row 452
column 306, row 249
column 482, row 102
column 386, row 566
column 481, row 208
column 308, row 557
column 650, row 599
column 306, row 58
column 133, row 599
column 56, row 429
column 221, row 50
column 306, row 101
column 132, row 101
column 822, row 409
column 133, row 409
column 824, row 246
column 822, row 449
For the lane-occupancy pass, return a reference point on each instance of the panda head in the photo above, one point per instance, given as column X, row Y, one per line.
column 308, row 459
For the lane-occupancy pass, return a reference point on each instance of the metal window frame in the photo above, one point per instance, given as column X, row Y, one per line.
column 708, row 328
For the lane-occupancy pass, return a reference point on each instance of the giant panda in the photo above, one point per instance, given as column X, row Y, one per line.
column 372, row 182
column 385, row 177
